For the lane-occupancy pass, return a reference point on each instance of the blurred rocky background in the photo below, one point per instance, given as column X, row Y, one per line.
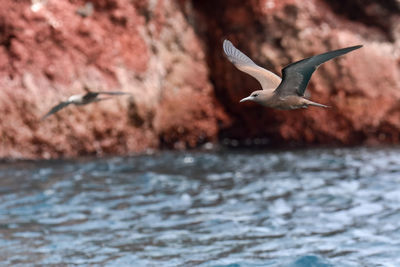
column 168, row 54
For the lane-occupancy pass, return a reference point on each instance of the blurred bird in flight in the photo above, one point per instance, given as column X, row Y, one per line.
column 285, row 93
column 82, row 99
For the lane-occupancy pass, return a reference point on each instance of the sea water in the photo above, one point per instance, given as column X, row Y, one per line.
column 310, row 207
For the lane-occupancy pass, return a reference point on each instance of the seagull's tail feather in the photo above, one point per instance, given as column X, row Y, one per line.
column 311, row 103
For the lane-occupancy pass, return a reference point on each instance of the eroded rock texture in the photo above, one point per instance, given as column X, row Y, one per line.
column 48, row 51
column 168, row 55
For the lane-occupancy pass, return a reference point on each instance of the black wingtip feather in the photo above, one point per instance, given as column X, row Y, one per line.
column 351, row 48
column 342, row 51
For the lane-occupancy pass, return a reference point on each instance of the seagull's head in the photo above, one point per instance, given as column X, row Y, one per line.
column 258, row 96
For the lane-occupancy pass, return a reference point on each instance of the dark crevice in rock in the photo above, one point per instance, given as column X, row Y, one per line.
column 218, row 22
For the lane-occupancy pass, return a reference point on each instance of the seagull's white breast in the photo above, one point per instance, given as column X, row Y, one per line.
column 76, row 99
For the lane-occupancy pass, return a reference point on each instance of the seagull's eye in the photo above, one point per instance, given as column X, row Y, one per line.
column 255, row 95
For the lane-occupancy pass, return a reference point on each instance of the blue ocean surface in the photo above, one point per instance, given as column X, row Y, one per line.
column 310, row 207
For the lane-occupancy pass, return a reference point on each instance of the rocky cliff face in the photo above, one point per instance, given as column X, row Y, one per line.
column 184, row 92
column 50, row 49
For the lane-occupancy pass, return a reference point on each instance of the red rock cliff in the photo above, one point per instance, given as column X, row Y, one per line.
column 168, row 55
column 50, row 49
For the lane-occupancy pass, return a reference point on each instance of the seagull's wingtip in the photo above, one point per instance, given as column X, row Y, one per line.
column 44, row 117
column 225, row 46
column 356, row 47
column 226, row 43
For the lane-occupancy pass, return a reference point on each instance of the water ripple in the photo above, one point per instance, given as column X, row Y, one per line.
column 321, row 207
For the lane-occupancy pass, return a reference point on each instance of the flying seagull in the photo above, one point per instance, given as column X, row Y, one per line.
column 285, row 93
column 82, row 99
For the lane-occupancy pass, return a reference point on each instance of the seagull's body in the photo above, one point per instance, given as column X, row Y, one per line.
column 285, row 93
column 82, row 99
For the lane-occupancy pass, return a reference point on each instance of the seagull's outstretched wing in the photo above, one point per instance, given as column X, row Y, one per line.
column 296, row 76
column 114, row 93
column 56, row 109
column 267, row 79
column 102, row 98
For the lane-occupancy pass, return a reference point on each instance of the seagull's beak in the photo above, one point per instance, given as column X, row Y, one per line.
column 246, row 99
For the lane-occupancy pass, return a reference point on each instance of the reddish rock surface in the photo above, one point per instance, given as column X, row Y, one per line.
column 148, row 48
column 184, row 92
